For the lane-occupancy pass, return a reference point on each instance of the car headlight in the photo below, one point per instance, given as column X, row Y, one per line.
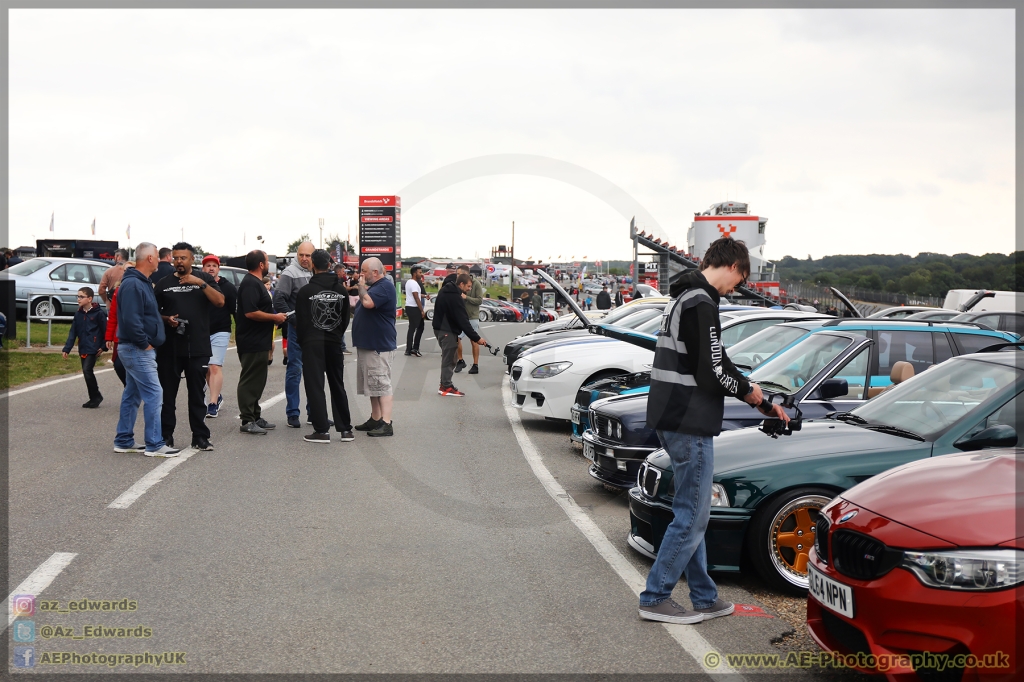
column 719, row 498
column 967, row 569
column 550, row 369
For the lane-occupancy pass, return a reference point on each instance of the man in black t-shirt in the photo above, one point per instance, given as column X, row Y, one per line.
column 185, row 299
column 254, row 337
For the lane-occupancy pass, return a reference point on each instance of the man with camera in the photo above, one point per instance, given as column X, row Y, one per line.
column 185, row 298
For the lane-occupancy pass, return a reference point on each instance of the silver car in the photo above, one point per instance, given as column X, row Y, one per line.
column 54, row 283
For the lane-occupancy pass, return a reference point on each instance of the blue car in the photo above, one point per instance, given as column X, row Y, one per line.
column 832, row 369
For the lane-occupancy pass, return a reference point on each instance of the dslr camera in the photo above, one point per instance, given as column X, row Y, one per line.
column 182, row 328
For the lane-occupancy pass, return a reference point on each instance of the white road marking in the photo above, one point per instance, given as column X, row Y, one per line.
column 685, row 635
column 149, row 480
column 10, row 394
column 272, row 401
column 38, row 581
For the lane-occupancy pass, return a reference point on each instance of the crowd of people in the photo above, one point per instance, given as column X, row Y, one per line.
column 168, row 317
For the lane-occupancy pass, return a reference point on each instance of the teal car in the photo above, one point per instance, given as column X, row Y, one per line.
column 767, row 493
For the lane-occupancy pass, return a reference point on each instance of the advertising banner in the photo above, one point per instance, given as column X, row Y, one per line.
column 380, row 230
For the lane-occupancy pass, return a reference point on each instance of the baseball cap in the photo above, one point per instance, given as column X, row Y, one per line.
column 209, row 258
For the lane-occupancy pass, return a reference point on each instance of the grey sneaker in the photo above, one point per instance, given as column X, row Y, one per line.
column 264, row 424
column 165, row 451
column 669, row 611
column 252, row 428
column 717, row 610
column 369, row 425
column 133, row 449
column 385, row 429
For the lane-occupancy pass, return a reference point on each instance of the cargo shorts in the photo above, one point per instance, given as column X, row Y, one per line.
column 373, row 372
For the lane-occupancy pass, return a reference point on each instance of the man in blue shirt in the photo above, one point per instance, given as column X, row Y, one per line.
column 376, row 338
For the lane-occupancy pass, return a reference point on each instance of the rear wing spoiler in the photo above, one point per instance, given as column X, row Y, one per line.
column 628, row 335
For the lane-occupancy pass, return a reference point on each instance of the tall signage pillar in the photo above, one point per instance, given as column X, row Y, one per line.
column 380, row 231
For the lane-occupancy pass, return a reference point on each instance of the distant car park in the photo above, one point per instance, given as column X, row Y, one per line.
column 52, row 284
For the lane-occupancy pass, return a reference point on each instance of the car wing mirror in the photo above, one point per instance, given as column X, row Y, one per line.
column 833, row 388
column 1000, row 436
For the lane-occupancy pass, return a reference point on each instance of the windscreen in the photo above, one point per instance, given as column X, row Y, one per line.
column 933, row 400
column 28, row 267
column 789, row 371
column 752, row 351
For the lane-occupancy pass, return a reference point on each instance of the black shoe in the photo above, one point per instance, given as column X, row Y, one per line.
column 385, row 429
column 293, row 422
column 317, row 437
column 252, row 428
column 369, row 425
column 474, row 370
column 417, row 353
column 92, row 403
column 460, row 365
column 408, row 353
column 200, row 443
column 169, row 441
column 347, row 436
column 264, row 424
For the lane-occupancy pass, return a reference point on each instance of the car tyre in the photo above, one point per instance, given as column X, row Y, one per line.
column 781, row 535
column 45, row 307
column 430, row 314
column 482, row 316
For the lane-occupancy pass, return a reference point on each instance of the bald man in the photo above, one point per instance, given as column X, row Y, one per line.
column 375, row 337
column 294, row 277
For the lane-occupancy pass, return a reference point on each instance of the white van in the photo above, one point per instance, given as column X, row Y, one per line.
column 1003, row 301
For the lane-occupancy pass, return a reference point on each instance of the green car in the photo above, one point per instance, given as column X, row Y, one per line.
column 767, row 493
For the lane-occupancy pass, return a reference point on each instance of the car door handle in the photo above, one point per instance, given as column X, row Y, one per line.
column 64, row 289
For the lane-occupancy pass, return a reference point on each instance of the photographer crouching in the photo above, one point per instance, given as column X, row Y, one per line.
column 185, row 298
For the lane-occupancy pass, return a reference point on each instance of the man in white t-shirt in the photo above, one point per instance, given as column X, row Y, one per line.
column 414, row 311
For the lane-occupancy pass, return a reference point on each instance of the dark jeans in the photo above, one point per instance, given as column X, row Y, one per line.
column 293, row 375
column 449, row 343
column 415, row 333
column 170, row 368
column 88, row 363
column 319, row 359
column 251, row 382
column 119, row 369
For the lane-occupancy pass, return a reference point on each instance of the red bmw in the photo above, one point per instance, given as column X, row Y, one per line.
column 918, row 573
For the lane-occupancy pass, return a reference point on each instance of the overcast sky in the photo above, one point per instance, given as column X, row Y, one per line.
column 853, row 131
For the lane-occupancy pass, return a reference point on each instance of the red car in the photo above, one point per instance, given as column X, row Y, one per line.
column 918, row 573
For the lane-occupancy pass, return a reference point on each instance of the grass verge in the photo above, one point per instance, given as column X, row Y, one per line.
column 18, row 368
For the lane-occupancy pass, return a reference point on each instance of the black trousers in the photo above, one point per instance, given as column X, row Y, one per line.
column 120, row 371
column 88, row 363
column 169, row 368
column 415, row 333
column 318, row 360
column 251, row 382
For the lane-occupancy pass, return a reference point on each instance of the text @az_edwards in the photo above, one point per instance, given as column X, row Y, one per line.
column 112, row 660
column 95, row 632
column 88, row 605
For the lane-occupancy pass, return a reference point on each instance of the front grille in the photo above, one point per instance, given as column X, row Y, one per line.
column 583, row 398
column 517, row 372
column 600, row 426
column 849, row 639
column 648, row 479
column 821, row 538
column 861, row 557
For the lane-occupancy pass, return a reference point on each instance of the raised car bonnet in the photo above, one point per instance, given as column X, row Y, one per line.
column 968, row 499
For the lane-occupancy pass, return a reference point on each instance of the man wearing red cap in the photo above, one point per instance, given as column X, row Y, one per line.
column 220, row 334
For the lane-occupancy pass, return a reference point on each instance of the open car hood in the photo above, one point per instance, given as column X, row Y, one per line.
column 572, row 304
column 648, row 341
column 846, row 301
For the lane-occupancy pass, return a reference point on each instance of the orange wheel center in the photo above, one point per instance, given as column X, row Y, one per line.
column 799, row 539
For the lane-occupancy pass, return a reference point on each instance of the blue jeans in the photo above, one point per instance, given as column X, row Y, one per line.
column 682, row 549
column 293, row 375
column 142, row 385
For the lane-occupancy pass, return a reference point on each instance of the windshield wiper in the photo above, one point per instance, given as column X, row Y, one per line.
column 894, row 430
column 848, row 417
column 785, row 389
column 742, row 366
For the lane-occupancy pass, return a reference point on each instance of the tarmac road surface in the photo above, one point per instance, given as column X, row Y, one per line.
column 439, row 550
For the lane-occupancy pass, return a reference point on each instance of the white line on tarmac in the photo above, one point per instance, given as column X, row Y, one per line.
column 685, row 635
column 38, row 581
column 51, row 383
column 149, row 480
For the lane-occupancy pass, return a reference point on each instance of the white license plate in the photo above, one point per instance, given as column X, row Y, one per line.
column 575, row 414
column 833, row 595
column 512, row 385
column 588, row 451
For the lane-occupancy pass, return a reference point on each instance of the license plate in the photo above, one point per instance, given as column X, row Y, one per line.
column 588, row 451
column 575, row 414
column 833, row 595
column 512, row 385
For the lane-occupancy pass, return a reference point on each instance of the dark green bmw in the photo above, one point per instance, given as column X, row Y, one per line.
column 767, row 493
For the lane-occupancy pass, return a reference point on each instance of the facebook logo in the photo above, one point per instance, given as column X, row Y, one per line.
column 24, row 631
column 24, row 657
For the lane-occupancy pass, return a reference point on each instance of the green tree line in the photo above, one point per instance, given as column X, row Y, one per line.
column 926, row 274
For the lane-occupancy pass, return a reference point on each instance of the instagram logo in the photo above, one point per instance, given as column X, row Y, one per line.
column 23, row 604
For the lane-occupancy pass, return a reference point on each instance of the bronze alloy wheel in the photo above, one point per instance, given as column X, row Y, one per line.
column 791, row 536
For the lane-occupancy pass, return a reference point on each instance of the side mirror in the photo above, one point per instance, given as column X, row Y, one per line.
column 1001, row 436
column 833, row 388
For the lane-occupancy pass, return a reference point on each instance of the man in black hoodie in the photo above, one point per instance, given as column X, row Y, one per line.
column 321, row 317
column 450, row 320
column 689, row 382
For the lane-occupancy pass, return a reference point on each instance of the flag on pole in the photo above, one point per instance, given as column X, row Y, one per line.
column 51, row 223
column 93, row 227
column 128, row 232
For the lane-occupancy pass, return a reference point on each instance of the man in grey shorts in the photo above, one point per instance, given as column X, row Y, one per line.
column 376, row 338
